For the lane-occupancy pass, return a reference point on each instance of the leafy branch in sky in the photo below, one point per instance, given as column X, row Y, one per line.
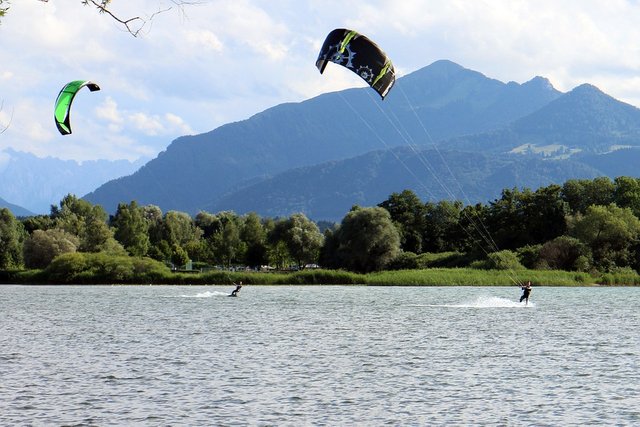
column 4, row 9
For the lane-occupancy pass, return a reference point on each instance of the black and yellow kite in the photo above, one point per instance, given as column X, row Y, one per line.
column 359, row 54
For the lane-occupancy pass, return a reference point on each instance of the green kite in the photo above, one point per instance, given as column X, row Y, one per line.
column 64, row 100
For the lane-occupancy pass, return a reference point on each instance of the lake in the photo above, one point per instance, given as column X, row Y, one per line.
column 333, row 355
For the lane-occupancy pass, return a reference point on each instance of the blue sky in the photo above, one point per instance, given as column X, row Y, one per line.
column 198, row 67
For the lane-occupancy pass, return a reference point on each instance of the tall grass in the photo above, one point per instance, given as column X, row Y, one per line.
column 98, row 269
column 474, row 277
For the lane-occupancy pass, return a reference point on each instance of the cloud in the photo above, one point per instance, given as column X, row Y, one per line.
column 178, row 123
column 153, row 125
column 225, row 60
column 205, row 39
column 108, row 111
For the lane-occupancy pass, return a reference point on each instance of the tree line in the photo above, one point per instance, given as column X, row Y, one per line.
column 582, row 225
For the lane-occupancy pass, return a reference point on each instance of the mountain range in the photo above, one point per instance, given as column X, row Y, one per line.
column 32, row 184
column 444, row 131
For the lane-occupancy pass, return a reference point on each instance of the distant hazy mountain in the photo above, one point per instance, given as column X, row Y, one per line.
column 444, row 98
column 15, row 209
column 36, row 183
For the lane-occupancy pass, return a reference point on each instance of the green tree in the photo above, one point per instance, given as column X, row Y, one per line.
column 37, row 222
column 154, row 218
column 474, row 237
column 208, row 223
column 179, row 256
column 328, row 257
column 226, row 243
column 279, row 254
column 627, row 193
column 11, row 239
column 84, row 220
column 254, row 235
column 582, row 193
column 97, row 236
column 368, row 240
column 42, row 246
column 179, row 228
column 131, row 228
column 409, row 214
column 303, row 239
column 525, row 217
column 442, row 230
column 609, row 231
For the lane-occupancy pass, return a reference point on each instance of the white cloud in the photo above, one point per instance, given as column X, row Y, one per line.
column 224, row 60
column 149, row 125
column 153, row 125
column 205, row 39
column 108, row 111
column 178, row 123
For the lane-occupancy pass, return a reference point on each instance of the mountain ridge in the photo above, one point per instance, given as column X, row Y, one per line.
column 196, row 170
column 35, row 183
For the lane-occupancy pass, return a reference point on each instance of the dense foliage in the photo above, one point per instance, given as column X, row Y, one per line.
column 583, row 226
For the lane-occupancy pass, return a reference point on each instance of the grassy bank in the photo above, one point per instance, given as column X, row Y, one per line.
column 83, row 268
column 426, row 277
column 474, row 277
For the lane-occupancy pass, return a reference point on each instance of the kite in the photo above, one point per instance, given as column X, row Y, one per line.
column 359, row 54
column 64, row 100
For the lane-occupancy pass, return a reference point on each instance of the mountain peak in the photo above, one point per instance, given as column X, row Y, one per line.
column 588, row 89
column 442, row 69
column 445, row 65
column 540, row 83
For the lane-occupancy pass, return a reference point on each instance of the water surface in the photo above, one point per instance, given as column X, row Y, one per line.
column 160, row 355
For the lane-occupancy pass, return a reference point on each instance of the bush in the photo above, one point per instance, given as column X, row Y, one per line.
column 404, row 261
column 504, row 260
column 444, row 260
column 81, row 267
column 64, row 268
column 565, row 253
column 529, row 255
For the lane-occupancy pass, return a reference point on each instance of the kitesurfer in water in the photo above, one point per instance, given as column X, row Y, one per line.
column 526, row 290
column 236, row 290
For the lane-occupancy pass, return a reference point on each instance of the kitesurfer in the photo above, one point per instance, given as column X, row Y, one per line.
column 236, row 290
column 526, row 291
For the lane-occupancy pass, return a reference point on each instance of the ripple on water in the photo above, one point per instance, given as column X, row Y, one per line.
column 310, row 355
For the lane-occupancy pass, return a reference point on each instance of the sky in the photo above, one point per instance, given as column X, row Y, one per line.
column 194, row 68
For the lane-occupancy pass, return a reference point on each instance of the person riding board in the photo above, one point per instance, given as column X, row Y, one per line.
column 526, row 291
column 236, row 290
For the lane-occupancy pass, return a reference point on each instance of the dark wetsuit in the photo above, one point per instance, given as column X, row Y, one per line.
column 236, row 290
column 526, row 290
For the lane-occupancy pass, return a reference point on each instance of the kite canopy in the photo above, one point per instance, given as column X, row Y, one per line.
column 359, row 54
column 64, row 100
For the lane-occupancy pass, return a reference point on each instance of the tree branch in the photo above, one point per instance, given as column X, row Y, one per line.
column 136, row 24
